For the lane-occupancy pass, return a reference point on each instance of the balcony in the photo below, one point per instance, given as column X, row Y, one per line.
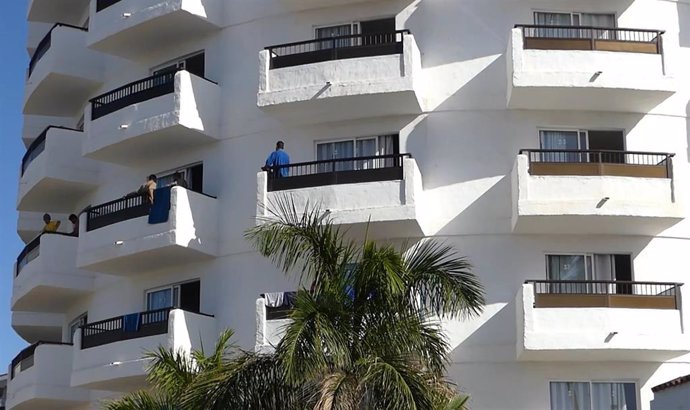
column 110, row 353
column 35, row 33
column 159, row 116
column 586, row 68
column 54, row 174
column 46, row 278
column 272, row 315
column 594, row 192
column 132, row 28
column 128, row 236
column 56, row 85
column 380, row 191
column 341, row 78
column 30, row 224
column 49, row 11
column 40, row 378
column 35, row 326
column 599, row 321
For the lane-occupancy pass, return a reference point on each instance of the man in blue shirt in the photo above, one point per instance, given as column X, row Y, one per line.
column 277, row 158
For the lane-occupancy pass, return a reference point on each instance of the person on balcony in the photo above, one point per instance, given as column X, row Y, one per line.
column 277, row 162
column 147, row 190
column 178, row 180
column 75, row 224
column 50, row 225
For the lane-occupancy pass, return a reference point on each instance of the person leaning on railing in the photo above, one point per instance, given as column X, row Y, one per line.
column 146, row 190
column 277, row 162
column 50, row 225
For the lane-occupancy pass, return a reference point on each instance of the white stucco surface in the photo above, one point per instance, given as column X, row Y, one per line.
column 57, row 86
column 56, row 178
column 51, row 281
column 128, row 247
column 120, row 366
column 673, row 398
column 566, row 80
column 160, row 127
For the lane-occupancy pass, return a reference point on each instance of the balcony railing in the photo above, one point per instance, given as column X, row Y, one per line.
column 25, row 359
column 546, row 37
column 336, row 48
column 117, row 329
column 337, row 171
column 119, row 210
column 133, row 93
column 38, row 145
column 599, row 162
column 31, row 251
column 44, row 45
column 104, row 4
column 609, row 294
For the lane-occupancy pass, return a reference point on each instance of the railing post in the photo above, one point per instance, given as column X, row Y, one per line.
column 591, row 35
column 334, row 174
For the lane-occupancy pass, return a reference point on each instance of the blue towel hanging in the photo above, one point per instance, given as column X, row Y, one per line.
column 160, row 210
column 131, row 322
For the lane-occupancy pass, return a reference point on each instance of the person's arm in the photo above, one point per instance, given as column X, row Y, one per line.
column 271, row 160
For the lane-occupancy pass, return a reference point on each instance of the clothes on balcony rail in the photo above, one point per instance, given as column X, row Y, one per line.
column 279, row 299
column 131, row 322
column 160, row 210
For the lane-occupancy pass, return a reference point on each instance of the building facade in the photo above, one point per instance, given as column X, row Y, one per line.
column 547, row 140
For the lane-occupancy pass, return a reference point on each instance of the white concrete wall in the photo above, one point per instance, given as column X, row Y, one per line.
column 268, row 332
column 47, row 380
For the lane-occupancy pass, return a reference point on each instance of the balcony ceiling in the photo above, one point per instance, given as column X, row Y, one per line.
column 53, row 11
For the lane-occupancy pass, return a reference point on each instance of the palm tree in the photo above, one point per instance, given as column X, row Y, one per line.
column 171, row 375
column 364, row 335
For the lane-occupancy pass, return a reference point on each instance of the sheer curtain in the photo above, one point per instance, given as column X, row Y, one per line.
column 614, row 396
column 553, row 19
column 335, row 150
column 570, row 396
column 334, row 31
column 600, row 20
column 560, row 140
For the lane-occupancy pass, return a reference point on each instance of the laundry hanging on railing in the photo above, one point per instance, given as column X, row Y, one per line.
column 160, row 210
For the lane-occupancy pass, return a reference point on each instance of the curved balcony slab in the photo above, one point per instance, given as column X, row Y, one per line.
column 57, row 175
column 593, row 204
column 56, row 85
column 341, row 89
column 118, row 364
column 35, row 33
column 41, row 379
column 46, row 278
column 186, row 116
column 34, row 125
column 586, row 333
column 549, row 78
column 30, row 224
column 130, row 246
column 132, row 28
column 384, row 199
column 35, row 326
column 50, row 11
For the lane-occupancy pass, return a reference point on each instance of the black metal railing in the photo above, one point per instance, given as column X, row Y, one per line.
column 133, row 93
column 606, row 293
column 38, row 145
column 31, row 251
column 119, row 210
column 104, row 4
column 44, row 45
column 336, row 48
column 337, row 171
column 25, row 359
column 592, row 38
column 120, row 328
column 631, row 163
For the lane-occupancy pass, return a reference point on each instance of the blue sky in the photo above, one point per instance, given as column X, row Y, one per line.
column 12, row 73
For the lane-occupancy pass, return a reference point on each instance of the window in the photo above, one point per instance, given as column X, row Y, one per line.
column 611, row 143
column 337, row 31
column 186, row 296
column 593, row 396
column 603, row 20
column 192, row 177
column 74, row 325
column 357, row 148
column 373, row 32
column 590, row 267
column 194, row 63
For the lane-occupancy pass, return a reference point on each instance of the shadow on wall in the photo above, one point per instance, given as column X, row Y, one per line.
column 683, row 24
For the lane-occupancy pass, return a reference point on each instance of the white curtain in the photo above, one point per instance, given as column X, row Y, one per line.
column 553, row 19
column 600, row 20
column 159, row 300
column 614, row 396
column 570, row 396
column 334, row 31
column 335, row 150
column 560, row 140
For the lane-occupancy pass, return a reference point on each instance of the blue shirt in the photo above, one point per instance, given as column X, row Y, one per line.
column 279, row 157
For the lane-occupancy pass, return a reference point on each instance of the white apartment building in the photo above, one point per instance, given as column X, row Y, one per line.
column 547, row 140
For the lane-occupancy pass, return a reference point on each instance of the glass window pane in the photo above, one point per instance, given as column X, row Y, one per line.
column 570, row 396
column 567, row 267
column 614, row 396
column 159, row 299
